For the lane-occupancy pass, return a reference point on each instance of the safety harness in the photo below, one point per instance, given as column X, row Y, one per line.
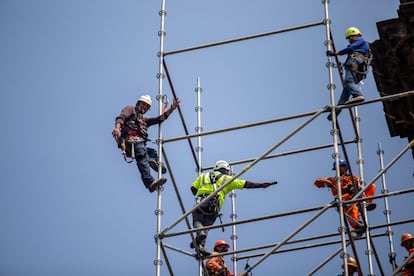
column 359, row 63
column 211, row 207
column 221, row 272
column 132, row 132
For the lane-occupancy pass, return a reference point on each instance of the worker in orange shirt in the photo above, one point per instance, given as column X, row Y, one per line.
column 216, row 266
column 407, row 241
column 347, row 189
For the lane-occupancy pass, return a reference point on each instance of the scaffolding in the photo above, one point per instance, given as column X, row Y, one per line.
column 345, row 239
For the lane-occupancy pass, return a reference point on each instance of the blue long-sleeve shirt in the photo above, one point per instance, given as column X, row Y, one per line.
column 360, row 45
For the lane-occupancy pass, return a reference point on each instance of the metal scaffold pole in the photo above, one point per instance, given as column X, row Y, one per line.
column 387, row 211
column 199, row 149
column 334, row 132
column 199, row 128
column 160, row 97
column 338, row 204
column 360, row 163
column 233, row 217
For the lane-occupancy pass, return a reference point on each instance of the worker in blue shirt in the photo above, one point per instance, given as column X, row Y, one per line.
column 356, row 66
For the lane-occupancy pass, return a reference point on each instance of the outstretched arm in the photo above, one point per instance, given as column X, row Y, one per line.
column 252, row 185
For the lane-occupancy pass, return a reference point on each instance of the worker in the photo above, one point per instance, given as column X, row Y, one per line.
column 216, row 266
column 204, row 185
column 356, row 66
column 132, row 126
column 407, row 241
column 352, row 267
column 348, row 191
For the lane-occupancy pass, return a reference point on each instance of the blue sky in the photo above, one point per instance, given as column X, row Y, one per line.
column 70, row 205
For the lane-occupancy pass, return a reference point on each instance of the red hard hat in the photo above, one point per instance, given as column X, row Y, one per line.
column 406, row 237
column 221, row 242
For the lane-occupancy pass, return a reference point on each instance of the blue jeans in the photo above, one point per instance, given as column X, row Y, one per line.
column 351, row 86
column 142, row 156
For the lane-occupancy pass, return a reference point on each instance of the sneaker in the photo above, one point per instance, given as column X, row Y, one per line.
column 371, row 206
column 154, row 165
column 156, row 184
column 356, row 99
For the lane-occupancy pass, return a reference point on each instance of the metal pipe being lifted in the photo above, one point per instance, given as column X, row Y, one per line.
column 245, row 169
column 243, row 38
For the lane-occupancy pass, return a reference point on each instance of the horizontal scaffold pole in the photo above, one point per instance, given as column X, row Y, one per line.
column 243, row 38
column 281, row 119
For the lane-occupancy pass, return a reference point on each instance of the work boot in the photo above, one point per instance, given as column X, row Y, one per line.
column 199, row 240
column 204, row 252
column 154, row 165
column 156, row 184
column 358, row 231
column 330, row 115
column 356, row 99
column 371, row 206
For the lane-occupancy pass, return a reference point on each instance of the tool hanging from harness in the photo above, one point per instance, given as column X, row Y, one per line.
column 359, row 63
column 211, row 207
column 132, row 132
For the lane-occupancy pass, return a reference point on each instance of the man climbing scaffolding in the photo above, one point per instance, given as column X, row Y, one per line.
column 356, row 66
column 206, row 184
column 131, row 128
column 348, row 182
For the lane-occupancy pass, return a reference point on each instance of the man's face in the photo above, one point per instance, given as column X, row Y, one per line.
column 408, row 244
column 352, row 38
column 343, row 169
column 222, row 248
column 143, row 107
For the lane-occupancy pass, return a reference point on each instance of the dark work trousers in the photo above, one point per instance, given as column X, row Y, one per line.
column 201, row 219
column 142, row 156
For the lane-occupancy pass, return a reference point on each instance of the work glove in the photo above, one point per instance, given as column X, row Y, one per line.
column 322, row 182
column 330, row 53
column 266, row 184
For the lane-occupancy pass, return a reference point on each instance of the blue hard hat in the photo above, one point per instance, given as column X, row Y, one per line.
column 341, row 162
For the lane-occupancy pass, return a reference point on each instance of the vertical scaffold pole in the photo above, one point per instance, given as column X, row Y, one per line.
column 360, row 163
column 160, row 97
column 233, row 217
column 199, row 149
column 387, row 211
column 199, row 128
column 334, row 133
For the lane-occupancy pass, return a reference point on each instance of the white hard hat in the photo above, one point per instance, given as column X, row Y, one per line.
column 146, row 99
column 221, row 164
